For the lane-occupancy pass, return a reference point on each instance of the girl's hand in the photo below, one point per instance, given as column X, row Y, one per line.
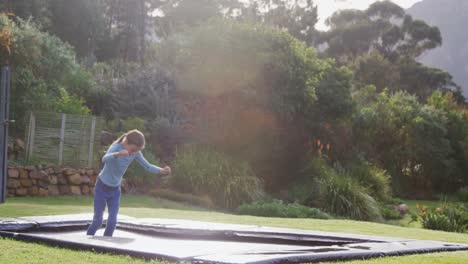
column 122, row 153
column 166, row 170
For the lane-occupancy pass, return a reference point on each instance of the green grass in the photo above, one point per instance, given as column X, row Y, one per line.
column 141, row 206
column 16, row 252
column 460, row 257
column 80, row 204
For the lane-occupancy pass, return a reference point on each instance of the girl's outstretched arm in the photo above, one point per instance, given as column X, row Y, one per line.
column 146, row 165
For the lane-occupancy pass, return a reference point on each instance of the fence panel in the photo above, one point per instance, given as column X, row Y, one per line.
column 62, row 139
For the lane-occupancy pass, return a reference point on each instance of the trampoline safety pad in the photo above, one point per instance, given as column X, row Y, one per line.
column 207, row 242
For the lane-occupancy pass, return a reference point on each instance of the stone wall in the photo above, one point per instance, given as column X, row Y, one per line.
column 50, row 181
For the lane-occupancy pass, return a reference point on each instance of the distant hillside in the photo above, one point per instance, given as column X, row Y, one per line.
column 451, row 16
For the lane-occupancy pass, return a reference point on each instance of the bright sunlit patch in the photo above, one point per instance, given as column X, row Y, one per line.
column 327, row 7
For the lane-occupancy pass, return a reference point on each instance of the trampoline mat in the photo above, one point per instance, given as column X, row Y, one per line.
column 206, row 242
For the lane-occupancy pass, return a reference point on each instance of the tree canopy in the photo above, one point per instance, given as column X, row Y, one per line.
column 254, row 81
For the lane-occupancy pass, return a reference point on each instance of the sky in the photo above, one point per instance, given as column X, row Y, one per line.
column 327, row 7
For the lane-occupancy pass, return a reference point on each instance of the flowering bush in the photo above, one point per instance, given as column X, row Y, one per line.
column 449, row 217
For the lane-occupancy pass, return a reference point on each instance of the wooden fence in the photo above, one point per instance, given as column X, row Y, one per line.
column 62, row 139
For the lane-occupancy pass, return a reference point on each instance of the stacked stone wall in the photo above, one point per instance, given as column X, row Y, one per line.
column 50, row 181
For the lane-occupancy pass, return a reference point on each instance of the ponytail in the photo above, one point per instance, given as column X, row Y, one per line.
column 120, row 139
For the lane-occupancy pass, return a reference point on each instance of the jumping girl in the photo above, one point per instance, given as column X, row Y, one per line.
column 107, row 190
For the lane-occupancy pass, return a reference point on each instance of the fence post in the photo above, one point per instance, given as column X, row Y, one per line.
column 62, row 138
column 31, row 135
column 91, row 142
column 4, row 116
column 28, row 139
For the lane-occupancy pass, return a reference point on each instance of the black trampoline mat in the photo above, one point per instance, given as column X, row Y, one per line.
column 207, row 242
column 182, row 248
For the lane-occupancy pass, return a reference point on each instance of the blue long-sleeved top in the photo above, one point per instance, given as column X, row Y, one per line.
column 114, row 168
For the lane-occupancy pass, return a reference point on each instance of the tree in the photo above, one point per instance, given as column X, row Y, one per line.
column 405, row 74
column 81, row 23
column 254, row 92
column 423, row 81
column 384, row 26
column 27, row 9
column 296, row 17
column 100, row 29
column 128, row 25
column 178, row 15
column 408, row 139
column 41, row 65
column 377, row 70
column 457, row 132
column 381, row 44
column 144, row 92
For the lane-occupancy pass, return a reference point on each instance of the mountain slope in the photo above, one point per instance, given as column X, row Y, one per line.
column 451, row 17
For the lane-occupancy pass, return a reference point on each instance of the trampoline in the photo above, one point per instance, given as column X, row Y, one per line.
column 207, row 242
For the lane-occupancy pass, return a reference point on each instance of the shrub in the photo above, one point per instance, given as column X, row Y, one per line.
column 418, row 152
column 389, row 213
column 70, row 104
column 133, row 123
column 462, row 194
column 449, row 217
column 301, row 193
column 201, row 170
column 134, row 90
column 121, row 126
column 42, row 66
column 335, row 192
column 394, row 208
column 166, row 134
column 396, row 201
column 343, row 196
column 277, row 208
column 375, row 179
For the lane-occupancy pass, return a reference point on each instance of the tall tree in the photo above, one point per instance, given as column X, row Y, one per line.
column 255, row 92
column 43, row 68
column 297, row 17
column 404, row 74
column 127, row 28
column 78, row 22
column 383, row 43
column 26, row 9
column 176, row 15
column 384, row 26
column 410, row 140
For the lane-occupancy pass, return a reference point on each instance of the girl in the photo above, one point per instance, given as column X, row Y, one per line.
column 107, row 190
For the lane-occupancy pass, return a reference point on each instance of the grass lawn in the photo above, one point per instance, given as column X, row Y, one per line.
column 140, row 206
